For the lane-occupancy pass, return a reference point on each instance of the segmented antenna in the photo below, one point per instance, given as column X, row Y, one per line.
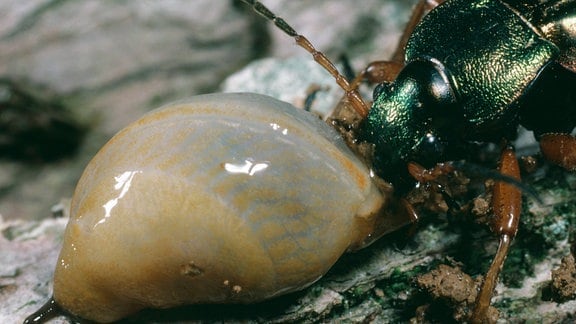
column 352, row 94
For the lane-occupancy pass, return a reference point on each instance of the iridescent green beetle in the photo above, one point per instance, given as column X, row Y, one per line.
column 497, row 64
column 466, row 72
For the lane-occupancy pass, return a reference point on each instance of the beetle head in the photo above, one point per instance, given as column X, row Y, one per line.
column 413, row 118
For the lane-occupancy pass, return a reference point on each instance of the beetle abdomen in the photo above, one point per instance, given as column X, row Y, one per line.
column 218, row 199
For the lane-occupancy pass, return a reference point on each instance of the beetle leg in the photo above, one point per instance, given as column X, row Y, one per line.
column 423, row 175
column 506, row 204
column 386, row 71
column 559, row 149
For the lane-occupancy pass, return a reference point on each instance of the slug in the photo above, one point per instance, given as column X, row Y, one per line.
column 224, row 198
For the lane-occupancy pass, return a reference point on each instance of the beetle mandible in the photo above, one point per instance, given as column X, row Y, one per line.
column 440, row 92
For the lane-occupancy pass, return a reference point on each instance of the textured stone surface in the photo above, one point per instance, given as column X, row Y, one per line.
column 28, row 254
column 109, row 63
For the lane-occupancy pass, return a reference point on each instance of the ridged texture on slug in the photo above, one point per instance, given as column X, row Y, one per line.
column 222, row 198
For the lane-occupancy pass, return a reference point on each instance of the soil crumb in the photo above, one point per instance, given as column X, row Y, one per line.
column 564, row 280
column 452, row 290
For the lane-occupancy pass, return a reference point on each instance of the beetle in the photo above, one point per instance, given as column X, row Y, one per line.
column 444, row 89
column 479, row 82
column 448, row 88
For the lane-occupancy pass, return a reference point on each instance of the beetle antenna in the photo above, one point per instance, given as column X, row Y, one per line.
column 352, row 94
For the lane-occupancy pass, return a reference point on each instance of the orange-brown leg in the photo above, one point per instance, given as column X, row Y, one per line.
column 423, row 175
column 506, row 205
column 386, row 71
column 559, row 149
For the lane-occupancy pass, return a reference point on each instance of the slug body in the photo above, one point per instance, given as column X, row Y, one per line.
column 228, row 198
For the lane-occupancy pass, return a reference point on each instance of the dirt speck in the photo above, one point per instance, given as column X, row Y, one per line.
column 453, row 290
column 564, row 280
